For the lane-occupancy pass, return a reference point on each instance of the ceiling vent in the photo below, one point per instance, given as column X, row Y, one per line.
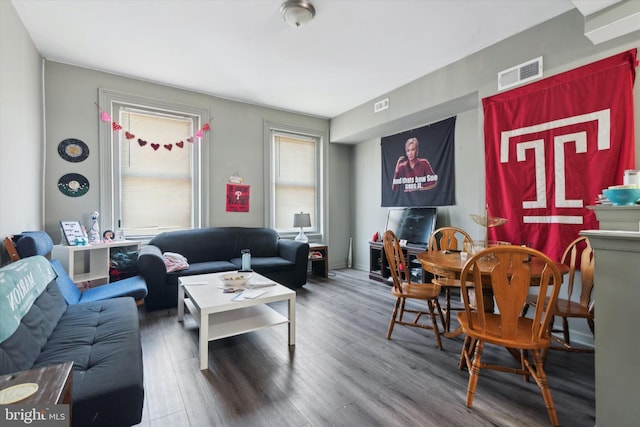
column 519, row 74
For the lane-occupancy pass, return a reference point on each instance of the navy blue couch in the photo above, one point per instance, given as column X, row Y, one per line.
column 102, row 338
column 216, row 249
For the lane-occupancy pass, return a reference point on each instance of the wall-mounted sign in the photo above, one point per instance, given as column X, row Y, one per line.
column 237, row 198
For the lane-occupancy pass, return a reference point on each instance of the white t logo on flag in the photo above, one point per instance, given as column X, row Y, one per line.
column 602, row 118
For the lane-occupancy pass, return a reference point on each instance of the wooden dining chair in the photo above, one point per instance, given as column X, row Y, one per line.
column 449, row 238
column 579, row 257
column 404, row 290
column 524, row 338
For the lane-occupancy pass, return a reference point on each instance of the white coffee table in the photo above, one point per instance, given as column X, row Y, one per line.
column 218, row 316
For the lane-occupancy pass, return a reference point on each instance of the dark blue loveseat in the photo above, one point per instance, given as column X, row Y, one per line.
column 215, row 249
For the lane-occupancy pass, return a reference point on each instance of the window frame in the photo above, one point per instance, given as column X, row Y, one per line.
column 110, row 156
column 317, row 231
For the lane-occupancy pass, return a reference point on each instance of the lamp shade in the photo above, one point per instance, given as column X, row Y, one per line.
column 301, row 220
column 297, row 12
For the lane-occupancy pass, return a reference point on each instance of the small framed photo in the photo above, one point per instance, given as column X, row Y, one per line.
column 108, row 235
column 71, row 230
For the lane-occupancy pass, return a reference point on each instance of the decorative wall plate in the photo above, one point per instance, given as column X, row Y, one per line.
column 17, row 393
column 73, row 185
column 73, row 150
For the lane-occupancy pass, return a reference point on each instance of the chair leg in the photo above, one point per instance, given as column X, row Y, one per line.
column 401, row 313
column 591, row 326
column 447, row 298
column 434, row 323
column 541, row 379
column 464, row 353
column 474, row 372
column 393, row 318
column 565, row 331
column 437, row 303
column 524, row 310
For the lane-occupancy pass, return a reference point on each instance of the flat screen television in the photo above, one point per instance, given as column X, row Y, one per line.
column 414, row 225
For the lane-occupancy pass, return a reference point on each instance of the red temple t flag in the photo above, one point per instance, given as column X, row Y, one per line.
column 552, row 146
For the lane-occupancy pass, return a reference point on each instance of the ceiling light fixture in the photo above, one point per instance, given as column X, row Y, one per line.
column 297, row 12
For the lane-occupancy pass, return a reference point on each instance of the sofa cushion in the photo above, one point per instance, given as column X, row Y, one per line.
column 197, row 245
column 20, row 285
column 134, row 287
column 68, row 288
column 102, row 338
column 20, row 351
column 266, row 264
column 203, row 268
column 263, row 242
column 218, row 243
column 32, row 243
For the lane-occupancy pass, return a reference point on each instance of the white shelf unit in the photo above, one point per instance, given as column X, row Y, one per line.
column 89, row 263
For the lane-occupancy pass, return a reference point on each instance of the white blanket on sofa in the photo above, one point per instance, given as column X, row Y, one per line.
column 20, row 284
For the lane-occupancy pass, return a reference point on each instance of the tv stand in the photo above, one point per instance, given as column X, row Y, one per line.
column 379, row 267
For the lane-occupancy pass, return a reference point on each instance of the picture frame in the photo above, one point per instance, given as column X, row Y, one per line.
column 71, row 230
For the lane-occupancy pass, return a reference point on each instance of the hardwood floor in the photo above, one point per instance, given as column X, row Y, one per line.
column 343, row 371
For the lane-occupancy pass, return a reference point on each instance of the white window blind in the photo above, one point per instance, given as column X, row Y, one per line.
column 295, row 175
column 155, row 185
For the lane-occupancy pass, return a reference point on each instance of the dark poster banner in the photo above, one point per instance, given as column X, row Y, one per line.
column 552, row 146
column 418, row 166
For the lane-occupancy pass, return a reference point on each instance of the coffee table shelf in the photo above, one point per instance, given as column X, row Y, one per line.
column 240, row 321
column 219, row 316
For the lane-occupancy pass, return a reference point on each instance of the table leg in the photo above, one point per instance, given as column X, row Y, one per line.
column 454, row 334
column 204, row 341
column 180, row 303
column 292, row 321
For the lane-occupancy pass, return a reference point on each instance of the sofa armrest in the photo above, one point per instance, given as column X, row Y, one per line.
column 293, row 250
column 298, row 253
column 151, row 266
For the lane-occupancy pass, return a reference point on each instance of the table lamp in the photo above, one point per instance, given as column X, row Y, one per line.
column 302, row 220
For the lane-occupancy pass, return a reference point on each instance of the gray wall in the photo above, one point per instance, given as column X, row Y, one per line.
column 21, row 125
column 236, row 145
column 458, row 90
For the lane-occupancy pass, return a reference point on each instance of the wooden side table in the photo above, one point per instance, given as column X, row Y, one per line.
column 319, row 266
column 54, row 383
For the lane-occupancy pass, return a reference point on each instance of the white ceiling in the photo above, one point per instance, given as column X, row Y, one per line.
column 352, row 52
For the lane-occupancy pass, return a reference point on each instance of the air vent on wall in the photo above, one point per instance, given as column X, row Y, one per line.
column 522, row 73
column 381, row 105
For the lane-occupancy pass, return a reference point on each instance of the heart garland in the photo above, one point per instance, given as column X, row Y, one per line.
column 105, row 117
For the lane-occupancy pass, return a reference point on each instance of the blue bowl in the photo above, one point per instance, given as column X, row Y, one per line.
column 622, row 196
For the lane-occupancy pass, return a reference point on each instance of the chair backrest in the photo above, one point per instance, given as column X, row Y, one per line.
column 451, row 238
column 584, row 263
column 511, row 277
column 10, row 247
column 396, row 260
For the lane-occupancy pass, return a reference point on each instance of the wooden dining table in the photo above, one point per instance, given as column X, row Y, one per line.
column 449, row 264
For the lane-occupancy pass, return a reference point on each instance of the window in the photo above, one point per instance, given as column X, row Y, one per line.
column 151, row 172
column 295, row 169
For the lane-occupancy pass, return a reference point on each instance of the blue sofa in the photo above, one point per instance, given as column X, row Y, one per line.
column 102, row 338
column 216, row 249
